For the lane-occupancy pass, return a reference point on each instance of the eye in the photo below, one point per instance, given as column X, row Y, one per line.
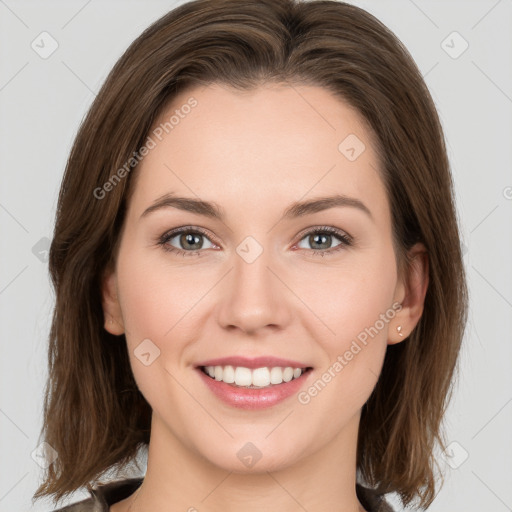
column 320, row 239
column 190, row 239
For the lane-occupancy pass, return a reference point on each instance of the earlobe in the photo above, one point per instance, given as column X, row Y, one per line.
column 412, row 295
column 113, row 319
column 397, row 336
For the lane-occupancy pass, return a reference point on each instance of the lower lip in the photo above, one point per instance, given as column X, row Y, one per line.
column 253, row 399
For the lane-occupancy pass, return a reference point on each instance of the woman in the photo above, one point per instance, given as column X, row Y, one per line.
column 232, row 144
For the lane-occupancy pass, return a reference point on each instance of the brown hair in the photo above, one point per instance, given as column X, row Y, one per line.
column 94, row 415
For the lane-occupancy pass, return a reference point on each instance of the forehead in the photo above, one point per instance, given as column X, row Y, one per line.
column 274, row 144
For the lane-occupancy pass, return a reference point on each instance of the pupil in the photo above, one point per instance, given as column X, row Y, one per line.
column 325, row 239
column 190, row 239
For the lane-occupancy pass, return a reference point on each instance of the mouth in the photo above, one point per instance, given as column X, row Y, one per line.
column 254, row 389
column 254, row 378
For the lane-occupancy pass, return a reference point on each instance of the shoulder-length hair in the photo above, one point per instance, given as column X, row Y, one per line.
column 94, row 415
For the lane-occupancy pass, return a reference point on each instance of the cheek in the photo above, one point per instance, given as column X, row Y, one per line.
column 352, row 297
column 157, row 310
column 156, row 301
column 356, row 306
column 160, row 302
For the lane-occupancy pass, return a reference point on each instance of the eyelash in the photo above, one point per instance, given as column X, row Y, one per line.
column 346, row 240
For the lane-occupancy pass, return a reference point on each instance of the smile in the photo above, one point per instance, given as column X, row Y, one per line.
column 259, row 388
column 253, row 378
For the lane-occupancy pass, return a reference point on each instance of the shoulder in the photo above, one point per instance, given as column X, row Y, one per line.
column 372, row 501
column 87, row 505
column 103, row 495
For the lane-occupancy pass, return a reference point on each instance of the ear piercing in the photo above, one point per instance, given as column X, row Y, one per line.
column 399, row 329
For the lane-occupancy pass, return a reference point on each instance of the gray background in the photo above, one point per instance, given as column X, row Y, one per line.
column 42, row 102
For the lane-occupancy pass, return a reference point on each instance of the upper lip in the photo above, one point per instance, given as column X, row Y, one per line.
column 256, row 362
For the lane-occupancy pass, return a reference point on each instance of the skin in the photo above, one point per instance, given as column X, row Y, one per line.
column 254, row 154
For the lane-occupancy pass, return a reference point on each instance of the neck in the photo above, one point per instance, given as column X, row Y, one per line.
column 179, row 478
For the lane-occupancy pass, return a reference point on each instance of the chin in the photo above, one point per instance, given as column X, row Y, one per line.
column 250, row 454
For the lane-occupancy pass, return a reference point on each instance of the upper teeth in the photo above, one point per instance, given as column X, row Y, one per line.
column 259, row 377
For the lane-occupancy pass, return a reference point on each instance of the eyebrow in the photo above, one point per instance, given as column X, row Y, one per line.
column 295, row 210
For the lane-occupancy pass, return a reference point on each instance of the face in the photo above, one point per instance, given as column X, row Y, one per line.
column 309, row 285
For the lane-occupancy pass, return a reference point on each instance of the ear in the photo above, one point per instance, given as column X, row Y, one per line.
column 410, row 293
column 113, row 322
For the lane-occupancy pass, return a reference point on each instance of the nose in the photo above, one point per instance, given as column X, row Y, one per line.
column 254, row 297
